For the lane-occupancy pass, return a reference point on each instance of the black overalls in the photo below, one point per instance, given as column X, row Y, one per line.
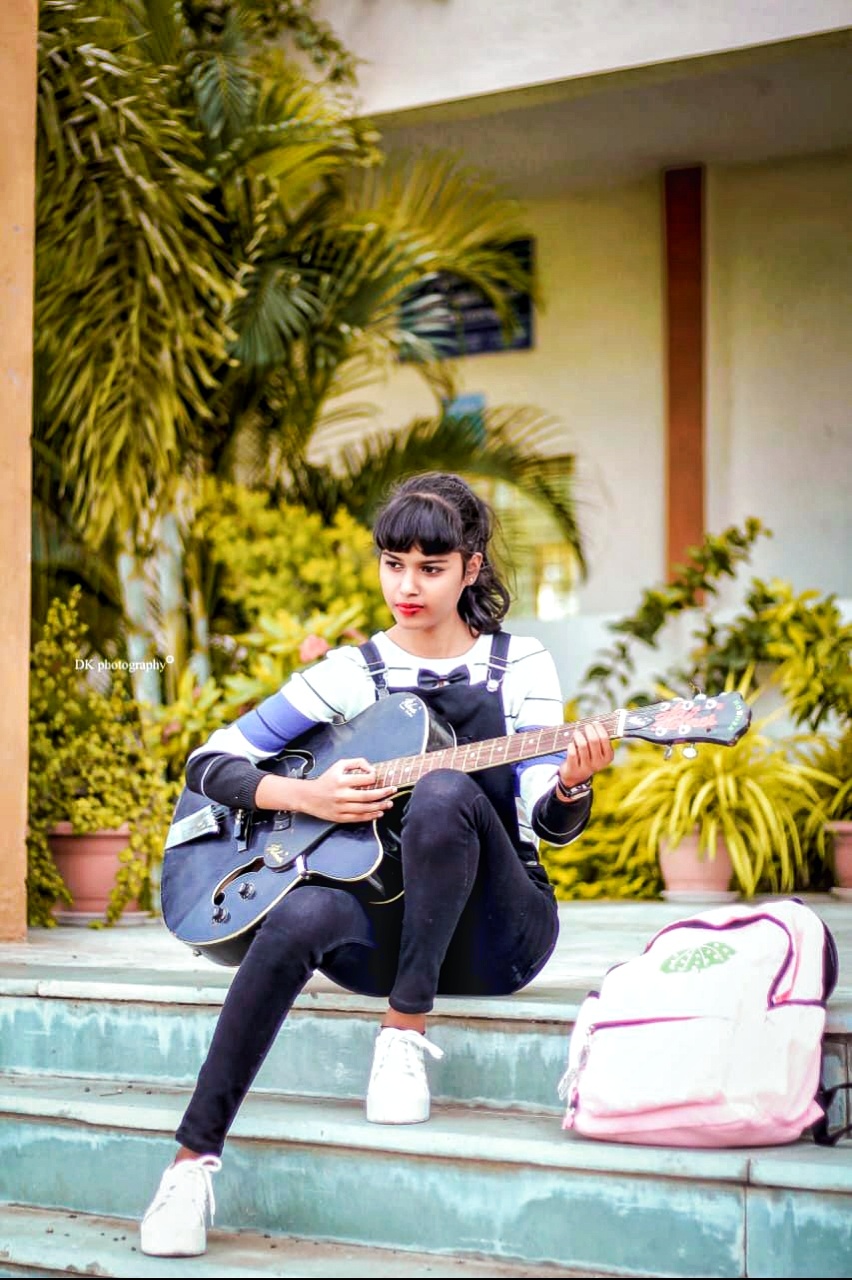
column 477, row 917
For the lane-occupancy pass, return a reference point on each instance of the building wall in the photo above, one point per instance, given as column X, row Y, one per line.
column 418, row 52
column 779, row 378
column 779, row 368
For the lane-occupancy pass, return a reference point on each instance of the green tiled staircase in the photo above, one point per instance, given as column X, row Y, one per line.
column 95, row 1067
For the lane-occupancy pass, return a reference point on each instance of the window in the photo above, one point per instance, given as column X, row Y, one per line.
column 458, row 319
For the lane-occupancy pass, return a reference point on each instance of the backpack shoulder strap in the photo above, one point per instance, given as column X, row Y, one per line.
column 822, row 1135
column 376, row 667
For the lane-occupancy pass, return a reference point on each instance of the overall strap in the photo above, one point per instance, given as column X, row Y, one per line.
column 497, row 664
column 376, row 667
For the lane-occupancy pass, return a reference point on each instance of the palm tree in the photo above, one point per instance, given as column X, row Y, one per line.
column 138, row 263
column 221, row 257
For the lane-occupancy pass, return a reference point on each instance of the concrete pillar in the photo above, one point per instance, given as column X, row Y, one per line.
column 18, row 36
column 683, row 196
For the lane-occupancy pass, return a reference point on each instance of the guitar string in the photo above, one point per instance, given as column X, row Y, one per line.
column 513, row 747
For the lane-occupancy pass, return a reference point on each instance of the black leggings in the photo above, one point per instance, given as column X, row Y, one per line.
column 471, row 922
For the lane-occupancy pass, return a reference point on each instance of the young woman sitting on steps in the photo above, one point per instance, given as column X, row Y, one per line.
column 478, row 915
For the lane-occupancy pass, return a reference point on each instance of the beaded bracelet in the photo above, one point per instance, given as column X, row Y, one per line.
column 575, row 792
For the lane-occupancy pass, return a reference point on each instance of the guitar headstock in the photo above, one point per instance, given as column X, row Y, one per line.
column 722, row 719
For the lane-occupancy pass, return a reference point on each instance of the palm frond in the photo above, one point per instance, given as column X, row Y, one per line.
column 130, row 286
column 159, row 28
column 225, row 86
column 453, row 218
column 272, row 312
column 291, row 132
column 503, row 444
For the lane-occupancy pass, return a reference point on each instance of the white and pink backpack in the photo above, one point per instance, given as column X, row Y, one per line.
column 712, row 1037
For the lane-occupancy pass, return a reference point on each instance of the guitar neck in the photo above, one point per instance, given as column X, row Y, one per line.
column 471, row 757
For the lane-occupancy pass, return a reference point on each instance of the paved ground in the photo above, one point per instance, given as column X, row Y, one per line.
column 593, row 936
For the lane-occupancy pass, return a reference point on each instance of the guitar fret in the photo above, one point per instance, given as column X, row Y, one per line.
column 472, row 756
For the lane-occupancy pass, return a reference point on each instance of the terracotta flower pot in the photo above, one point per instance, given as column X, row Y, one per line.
column 690, row 878
column 842, row 832
column 89, row 864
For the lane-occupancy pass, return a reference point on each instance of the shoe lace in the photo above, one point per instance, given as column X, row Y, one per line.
column 192, row 1177
column 404, row 1051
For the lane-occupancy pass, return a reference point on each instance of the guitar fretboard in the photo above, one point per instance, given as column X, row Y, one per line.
column 470, row 757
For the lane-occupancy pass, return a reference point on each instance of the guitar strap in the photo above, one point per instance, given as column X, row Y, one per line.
column 497, row 664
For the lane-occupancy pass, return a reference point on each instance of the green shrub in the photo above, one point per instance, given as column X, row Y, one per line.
column 592, row 866
column 288, row 588
column 278, row 646
column 89, row 765
column 280, row 559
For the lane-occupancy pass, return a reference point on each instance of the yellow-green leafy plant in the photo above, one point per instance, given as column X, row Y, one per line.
column 611, row 678
column 594, row 865
column 279, row 558
column 813, row 645
column 279, row 645
column 89, row 765
column 831, row 755
column 795, row 643
column 288, row 586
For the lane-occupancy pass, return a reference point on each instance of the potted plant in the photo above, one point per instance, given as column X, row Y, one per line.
column 751, row 809
column 94, row 784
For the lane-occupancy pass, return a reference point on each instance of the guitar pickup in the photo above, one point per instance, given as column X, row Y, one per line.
column 204, row 822
column 283, row 820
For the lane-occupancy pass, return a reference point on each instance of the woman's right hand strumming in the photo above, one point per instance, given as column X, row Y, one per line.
column 346, row 792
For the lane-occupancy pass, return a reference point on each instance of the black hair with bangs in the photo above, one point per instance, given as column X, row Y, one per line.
column 439, row 513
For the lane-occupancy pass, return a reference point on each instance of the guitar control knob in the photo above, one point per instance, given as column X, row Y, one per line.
column 221, row 915
column 689, row 752
column 247, row 890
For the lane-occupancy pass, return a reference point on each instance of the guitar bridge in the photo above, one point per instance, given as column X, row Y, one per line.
column 203, row 822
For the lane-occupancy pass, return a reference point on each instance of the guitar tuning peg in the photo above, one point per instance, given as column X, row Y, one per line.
column 689, row 751
column 667, row 754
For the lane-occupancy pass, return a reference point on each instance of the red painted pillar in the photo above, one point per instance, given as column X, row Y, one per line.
column 683, row 191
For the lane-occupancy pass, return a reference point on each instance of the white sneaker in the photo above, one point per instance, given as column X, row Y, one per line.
column 398, row 1092
column 175, row 1223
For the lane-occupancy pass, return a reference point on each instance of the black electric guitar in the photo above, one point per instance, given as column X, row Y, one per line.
column 224, row 869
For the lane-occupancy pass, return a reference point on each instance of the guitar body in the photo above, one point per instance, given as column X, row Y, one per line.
column 218, row 886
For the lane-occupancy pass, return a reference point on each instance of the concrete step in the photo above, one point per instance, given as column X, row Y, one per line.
column 501, row 1185
column 507, row 1054
column 50, row 1242
column 126, row 1015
